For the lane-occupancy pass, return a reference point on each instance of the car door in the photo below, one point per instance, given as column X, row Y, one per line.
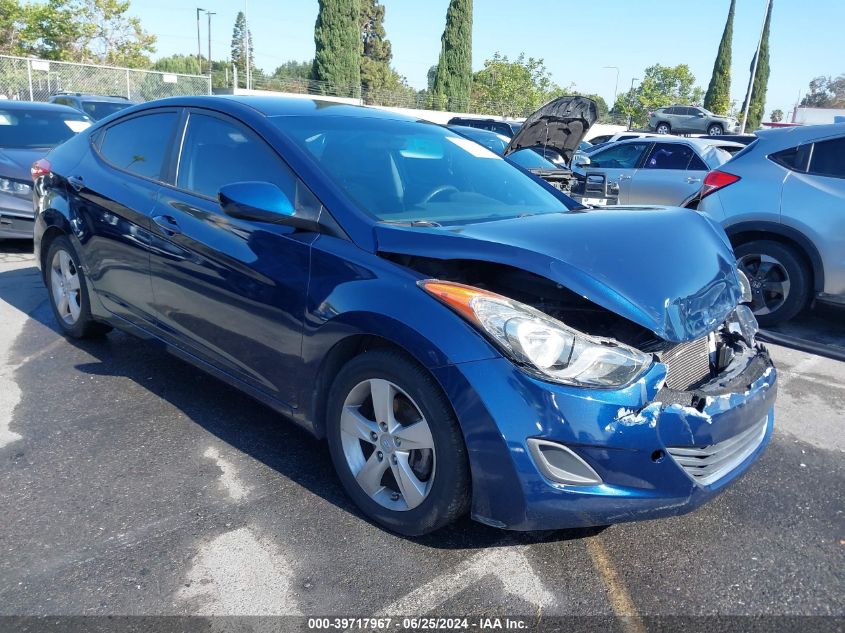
column 670, row 174
column 814, row 204
column 113, row 190
column 229, row 291
column 616, row 164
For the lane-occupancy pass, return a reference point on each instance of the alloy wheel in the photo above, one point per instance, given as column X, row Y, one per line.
column 769, row 282
column 65, row 287
column 387, row 444
column 715, row 130
column 662, row 129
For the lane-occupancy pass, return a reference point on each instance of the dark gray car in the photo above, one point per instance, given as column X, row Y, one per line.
column 678, row 119
column 27, row 132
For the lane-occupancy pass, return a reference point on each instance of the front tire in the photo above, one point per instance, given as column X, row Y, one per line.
column 396, row 445
column 663, row 128
column 780, row 280
column 715, row 130
column 68, row 290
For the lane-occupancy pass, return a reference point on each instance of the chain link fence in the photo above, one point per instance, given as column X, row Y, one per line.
column 32, row 79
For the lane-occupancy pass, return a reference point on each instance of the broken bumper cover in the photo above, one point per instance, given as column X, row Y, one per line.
column 655, row 458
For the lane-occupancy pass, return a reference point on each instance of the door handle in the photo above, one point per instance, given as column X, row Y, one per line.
column 76, row 183
column 623, row 177
column 167, row 224
column 692, row 180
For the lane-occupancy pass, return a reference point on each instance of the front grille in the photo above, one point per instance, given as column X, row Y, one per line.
column 686, row 363
column 710, row 463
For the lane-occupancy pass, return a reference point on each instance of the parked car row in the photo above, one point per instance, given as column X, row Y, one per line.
column 466, row 337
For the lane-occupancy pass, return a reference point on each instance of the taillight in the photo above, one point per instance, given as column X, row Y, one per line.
column 716, row 180
column 41, row 167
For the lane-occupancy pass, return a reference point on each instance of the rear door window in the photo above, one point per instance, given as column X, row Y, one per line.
column 140, row 145
column 669, row 156
column 828, row 158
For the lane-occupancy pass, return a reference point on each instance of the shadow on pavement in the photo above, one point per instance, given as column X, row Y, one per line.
column 242, row 422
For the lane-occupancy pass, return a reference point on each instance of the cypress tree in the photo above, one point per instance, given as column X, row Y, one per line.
column 761, row 79
column 377, row 52
column 718, row 97
column 337, row 40
column 239, row 52
column 453, row 78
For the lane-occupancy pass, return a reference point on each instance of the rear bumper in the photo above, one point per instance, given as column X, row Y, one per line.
column 16, row 225
column 625, row 436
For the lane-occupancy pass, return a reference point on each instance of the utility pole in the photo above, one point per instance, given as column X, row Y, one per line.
column 753, row 72
column 616, row 87
column 199, row 47
column 209, row 14
column 631, row 103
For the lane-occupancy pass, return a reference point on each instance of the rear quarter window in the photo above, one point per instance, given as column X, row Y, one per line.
column 793, row 158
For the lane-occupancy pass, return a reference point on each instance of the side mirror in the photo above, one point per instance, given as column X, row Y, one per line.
column 583, row 161
column 262, row 202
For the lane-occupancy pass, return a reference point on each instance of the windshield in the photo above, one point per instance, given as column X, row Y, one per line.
column 530, row 159
column 100, row 109
column 24, row 129
column 406, row 171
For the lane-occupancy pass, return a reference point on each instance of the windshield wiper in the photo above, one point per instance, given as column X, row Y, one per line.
column 422, row 223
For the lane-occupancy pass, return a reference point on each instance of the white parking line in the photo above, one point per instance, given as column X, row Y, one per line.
column 508, row 564
column 236, row 574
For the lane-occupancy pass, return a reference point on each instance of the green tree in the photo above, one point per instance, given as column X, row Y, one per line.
column 12, row 19
column 826, row 92
column 776, row 116
column 512, row 88
column 337, row 42
column 761, row 80
column 185, row 64
column 453, row 78
column 718, row 97
column 93, row 31
column 294, row 70
column 379, row 81
column 661, row 86
column 242, row 48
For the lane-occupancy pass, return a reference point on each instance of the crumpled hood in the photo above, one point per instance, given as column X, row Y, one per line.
column 15, row 163
column 670, row 270
column 560, row 124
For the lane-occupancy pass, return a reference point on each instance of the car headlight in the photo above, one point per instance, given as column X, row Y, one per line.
column 15, row 187
column 745, row 285
column 540, row 343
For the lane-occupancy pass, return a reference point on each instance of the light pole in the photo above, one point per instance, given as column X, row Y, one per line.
column 209, row 14
column 631, row 103
column 199, row 48
column 616, row 87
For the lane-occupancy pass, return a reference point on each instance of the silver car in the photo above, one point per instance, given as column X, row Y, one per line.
column 665, row 171
column 782, row 203
column 680, row 119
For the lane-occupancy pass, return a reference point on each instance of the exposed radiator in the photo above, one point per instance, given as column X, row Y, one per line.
column 688, row 363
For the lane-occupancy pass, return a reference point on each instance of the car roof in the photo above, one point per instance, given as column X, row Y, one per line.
column 700, row 143
column 93, row 97
column 790, row 136
column 37, row 105
column 478, row 132
column 274, row 106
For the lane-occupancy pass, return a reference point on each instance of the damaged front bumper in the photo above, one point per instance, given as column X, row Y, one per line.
column 658, row 452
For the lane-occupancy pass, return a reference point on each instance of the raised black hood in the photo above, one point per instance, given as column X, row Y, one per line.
column 560, row 124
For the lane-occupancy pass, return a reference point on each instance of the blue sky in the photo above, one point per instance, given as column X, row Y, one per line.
column 576, row 39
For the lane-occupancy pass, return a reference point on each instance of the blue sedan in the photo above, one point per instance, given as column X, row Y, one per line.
column 465, row 336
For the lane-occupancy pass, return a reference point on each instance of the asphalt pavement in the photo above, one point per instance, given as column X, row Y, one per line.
column 133, row 484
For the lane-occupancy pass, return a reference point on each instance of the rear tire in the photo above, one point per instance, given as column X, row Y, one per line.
column 781, row 280
column 412, row 491
column 68, row 291
column 663, row 128
column 715, row 130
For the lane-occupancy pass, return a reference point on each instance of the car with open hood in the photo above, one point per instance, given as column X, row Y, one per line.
column 465, row 336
